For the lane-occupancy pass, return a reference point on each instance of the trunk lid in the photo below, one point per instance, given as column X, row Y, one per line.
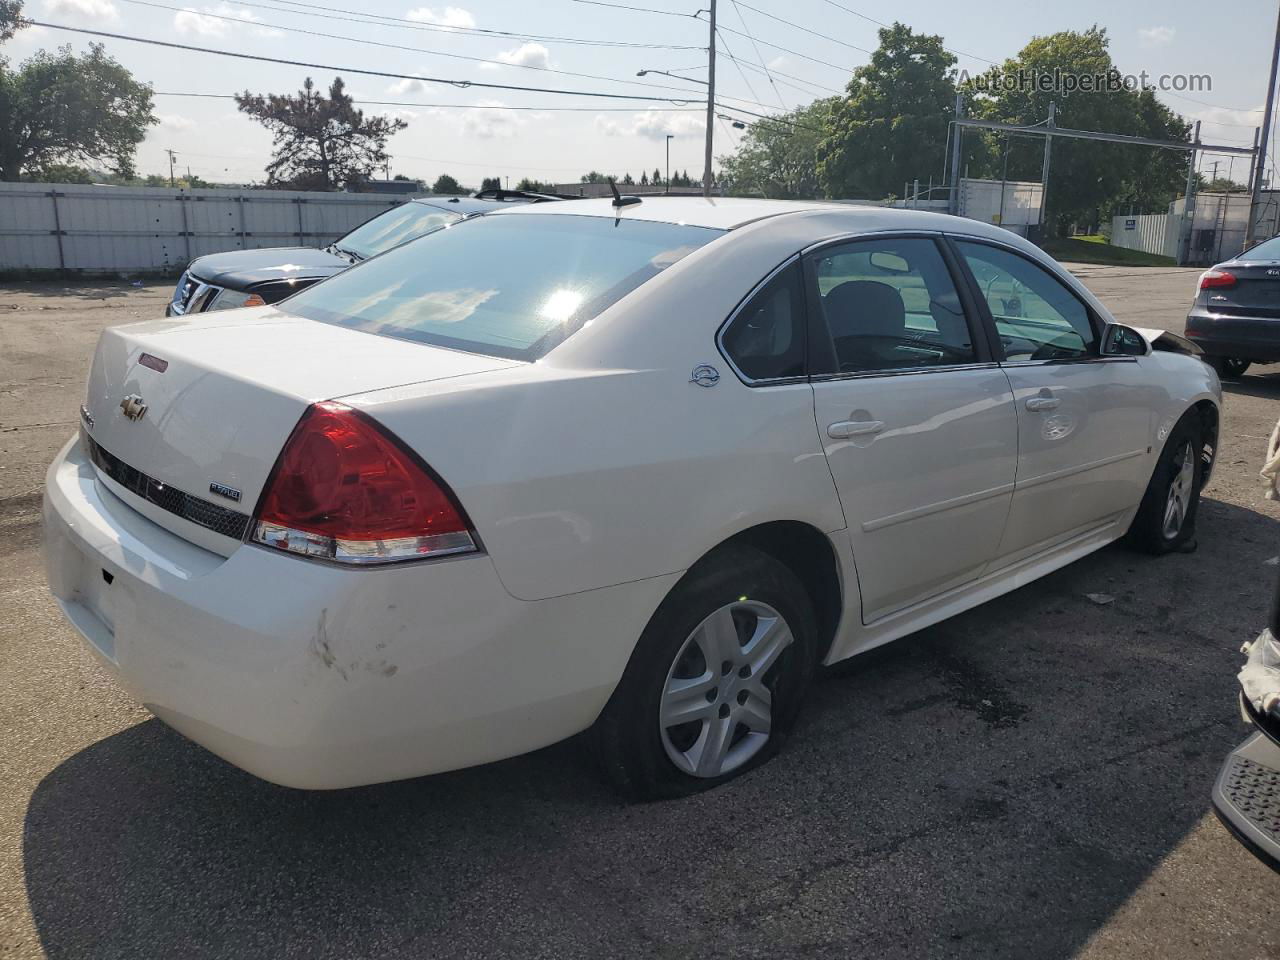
column 1256, row 292
column 222, row 393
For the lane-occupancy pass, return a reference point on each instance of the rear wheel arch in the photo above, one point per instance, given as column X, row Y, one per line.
column 809, row 554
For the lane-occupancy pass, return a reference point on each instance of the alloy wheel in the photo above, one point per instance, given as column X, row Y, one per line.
column 1181, row 490
column 716, row 710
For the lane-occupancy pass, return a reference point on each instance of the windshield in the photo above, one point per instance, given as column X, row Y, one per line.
column 1263, row 251
column 395, row 227
column 508, row 285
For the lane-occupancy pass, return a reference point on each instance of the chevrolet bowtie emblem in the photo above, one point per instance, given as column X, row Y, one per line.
column 133, row 407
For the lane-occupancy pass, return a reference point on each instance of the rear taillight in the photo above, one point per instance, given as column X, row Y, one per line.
column 345, row 489
column 1212, row 279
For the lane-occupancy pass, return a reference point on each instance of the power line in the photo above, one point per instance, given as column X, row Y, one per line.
column 742, row 73
column 456, row 106
column 441, row 28
column 364, row 72
column 397, row 46
column 794, row 25
column 743, row 20
column 881, row 23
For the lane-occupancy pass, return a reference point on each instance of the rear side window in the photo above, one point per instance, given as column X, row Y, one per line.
column 890, row 304
column 1036, row 316
column 395, row 227
column 1270, row 250
column 766, row 339
column 505, row 285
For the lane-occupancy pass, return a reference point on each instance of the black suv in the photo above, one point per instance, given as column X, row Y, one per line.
column 250, row 278
column 1235, row 319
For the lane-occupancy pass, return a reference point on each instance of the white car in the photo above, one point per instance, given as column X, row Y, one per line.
column 637, row 468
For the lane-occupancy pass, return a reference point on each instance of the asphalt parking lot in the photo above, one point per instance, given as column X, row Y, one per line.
column 1030, row 779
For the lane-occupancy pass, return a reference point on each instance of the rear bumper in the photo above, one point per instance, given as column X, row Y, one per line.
column 1245, row 338
column 315, row 676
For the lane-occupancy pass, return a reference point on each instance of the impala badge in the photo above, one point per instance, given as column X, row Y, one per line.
column 705, row 375
column 222, row 490
column 133, row 407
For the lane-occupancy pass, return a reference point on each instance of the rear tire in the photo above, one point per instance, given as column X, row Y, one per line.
column 1166, row 519
column 1228, row 368
column 715, row 682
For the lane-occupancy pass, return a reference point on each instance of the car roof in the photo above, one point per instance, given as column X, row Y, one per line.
column 467, row 205
column 727, row 213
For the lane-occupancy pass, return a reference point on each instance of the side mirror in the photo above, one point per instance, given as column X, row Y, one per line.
column 1121, row 341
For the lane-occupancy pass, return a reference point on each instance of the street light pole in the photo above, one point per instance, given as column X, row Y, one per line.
column 711, row 100
column 669, row 136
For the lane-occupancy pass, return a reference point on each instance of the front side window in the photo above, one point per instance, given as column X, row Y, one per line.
column 505, row 285
column 766, row 338
column 398, row 225
column 1037, row 317
column 890, row 304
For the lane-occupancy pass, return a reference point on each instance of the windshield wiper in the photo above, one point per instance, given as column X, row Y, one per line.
column 336, row 250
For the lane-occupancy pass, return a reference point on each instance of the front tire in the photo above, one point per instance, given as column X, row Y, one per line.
column 715, row 682
column 1166, row 519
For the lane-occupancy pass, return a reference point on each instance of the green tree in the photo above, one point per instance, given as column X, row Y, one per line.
column 644, row 178
column 447, row 185
column 626, row 180
column 61, row 173
column 319, row 142
column 656, row 180
column 10, row 18
column 491, row 183
column 1087, row 176
column 533, row 186
column 779, row 158
column 595, row 176
column 892, row 122
column 60, row 108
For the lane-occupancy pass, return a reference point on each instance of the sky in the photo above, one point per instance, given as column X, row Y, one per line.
column 788, row 53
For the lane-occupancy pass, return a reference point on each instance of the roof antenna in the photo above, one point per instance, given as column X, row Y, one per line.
column 618, row 199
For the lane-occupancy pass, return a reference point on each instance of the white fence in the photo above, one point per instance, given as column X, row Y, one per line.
column 106, row 229
column 1149, row 233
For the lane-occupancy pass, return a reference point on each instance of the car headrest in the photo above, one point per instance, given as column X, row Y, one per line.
column 865, row 308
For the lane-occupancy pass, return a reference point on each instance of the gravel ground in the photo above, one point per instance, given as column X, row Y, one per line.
column 1029, row 779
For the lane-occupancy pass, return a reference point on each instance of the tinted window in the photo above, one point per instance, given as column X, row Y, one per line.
column 766, row 339
column 506, row 285
column 1036, row 316
column 1270, row 250
column 890, row 305
column 396, row 226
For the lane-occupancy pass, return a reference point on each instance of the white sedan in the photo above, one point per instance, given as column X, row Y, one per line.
column 636, row 469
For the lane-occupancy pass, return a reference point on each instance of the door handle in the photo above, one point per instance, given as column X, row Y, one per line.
column 845, row 429
column 1043, row 403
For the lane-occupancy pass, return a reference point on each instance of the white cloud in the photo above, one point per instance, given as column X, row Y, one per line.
column 487, row 123
column 90, row 9
column 652, row 125
column 777, row 63
column 211, row 22
column 448, row 17
column 1156, row 36
column 173, row 121
column 527, row 55
column 406, row 86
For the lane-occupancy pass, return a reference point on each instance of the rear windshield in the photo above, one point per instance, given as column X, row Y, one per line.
column 1263, row 251
column 395, row 227
column 509, row 286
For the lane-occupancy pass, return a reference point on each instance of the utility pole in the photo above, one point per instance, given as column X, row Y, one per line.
column 669, row 136
column 1260, row 166
column 954, row 204
column 1044, row 170
column 1189, row 203
column 171, row 154
column 711, row 102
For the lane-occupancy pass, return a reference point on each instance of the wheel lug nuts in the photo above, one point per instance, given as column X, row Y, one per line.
column 712, row 694
column 726, row 668
column 742, row 696
column 724, row 710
